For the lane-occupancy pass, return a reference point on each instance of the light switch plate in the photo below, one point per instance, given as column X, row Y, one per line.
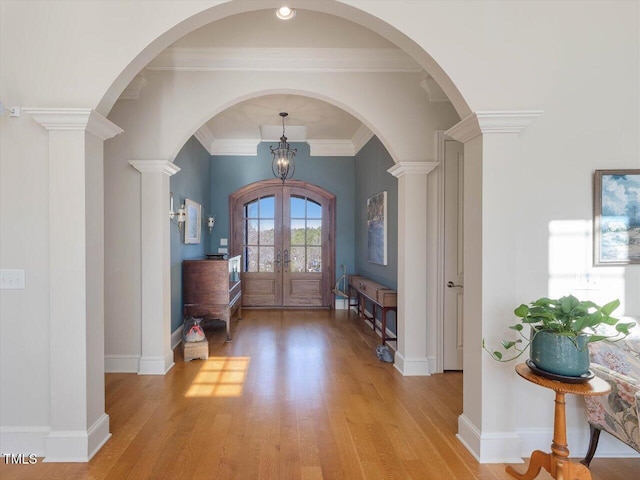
column 223, row 242
column 12, row 279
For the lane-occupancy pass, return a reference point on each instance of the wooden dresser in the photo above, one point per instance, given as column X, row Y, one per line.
column 379, row 296
column 211, row 289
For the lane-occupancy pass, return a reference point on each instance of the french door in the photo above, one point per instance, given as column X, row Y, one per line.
column 285, row 235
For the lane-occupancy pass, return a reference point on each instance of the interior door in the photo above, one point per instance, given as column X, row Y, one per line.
column 285, row 235
column 453, row 255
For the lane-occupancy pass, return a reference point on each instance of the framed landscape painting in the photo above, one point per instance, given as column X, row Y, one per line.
column 377, row 228
column 193, row 221
column 616, row 220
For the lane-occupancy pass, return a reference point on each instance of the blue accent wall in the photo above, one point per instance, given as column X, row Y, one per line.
column 192, row 181
column 335, row 174
column 371, row 178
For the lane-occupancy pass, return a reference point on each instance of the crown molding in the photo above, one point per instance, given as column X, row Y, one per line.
column 84, row 119
column 205, row 137
column 434, row 92
column 155, row 166
column 390, row 60
column 331, row 148
column 132, row 92
column 486, row 122
column 235, row 147
column 412, row 168
column 361, row 138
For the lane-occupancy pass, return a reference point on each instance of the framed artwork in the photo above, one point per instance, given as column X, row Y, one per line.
column 616, row 219
column 193, row 221
column 377, row 228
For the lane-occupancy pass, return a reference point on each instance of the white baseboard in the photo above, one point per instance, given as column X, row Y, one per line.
column 121, row 363
column 77, row 445
column 24, row 439
column 494, row 447
column 341, row 303
column 176, row 337
column 578, row 441
column 411, row 366
column 156, row 365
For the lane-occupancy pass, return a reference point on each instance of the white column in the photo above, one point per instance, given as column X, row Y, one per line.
column 79, row 424
column 156, row 356
column 491, row 176
column 411, row 357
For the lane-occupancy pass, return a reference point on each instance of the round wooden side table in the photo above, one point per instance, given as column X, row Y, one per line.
column 557, row 462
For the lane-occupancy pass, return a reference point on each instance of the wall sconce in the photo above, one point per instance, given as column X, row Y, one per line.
column 178, row 217
column 211, row 221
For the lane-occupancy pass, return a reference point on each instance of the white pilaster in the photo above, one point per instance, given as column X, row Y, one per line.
column 491, row 174
column 79, row 425
column 157, row 355
column 411, row 356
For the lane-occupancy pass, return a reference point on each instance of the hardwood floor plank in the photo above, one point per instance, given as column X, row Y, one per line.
column 298, row 395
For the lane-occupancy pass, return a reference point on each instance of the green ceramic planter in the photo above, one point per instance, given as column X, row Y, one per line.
column 559, row 354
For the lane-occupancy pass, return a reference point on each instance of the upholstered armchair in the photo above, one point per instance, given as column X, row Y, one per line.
column 616, row 413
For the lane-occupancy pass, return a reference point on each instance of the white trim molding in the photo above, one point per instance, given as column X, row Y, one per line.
column 24, row 439
column 205, row 137
column 413, row 366
column 263, row 59
column 74, row 119
column 77, row 445
column 176, row 337
column 412, row 168
column 498, row 447
column 361, row 138
column 155, row 166
column 132, row 92
column 331, row 148
column 434, row 92
column 499, row 121
column 156, row 365
column 121, row 363
column 235, row 147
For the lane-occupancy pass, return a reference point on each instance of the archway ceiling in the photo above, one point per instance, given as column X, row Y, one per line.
column 312, row 41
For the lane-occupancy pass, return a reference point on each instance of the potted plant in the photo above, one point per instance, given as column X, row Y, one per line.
column 560, row 333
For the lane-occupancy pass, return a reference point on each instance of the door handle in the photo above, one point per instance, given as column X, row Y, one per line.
column 278, row 260
column 450, row 284
column 286, row 260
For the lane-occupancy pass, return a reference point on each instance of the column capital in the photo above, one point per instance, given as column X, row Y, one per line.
column 75, row 119
column 412, row 168
column 155, row 166
column 498, row 121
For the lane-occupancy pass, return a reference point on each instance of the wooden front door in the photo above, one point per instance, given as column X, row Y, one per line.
column 284, row 233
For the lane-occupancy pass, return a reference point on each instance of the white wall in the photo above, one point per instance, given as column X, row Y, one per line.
column 577, row 61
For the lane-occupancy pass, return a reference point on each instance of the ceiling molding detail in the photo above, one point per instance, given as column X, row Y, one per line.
column 155, row 166
column 235, row 147
column 74, row 119
column 132, row 92
column 412, row 168
column 434, row 92
column 205, row 137
column 485, row 122
column 331, row 148
column 272, row 133
column 390, row 60
column 361, row 138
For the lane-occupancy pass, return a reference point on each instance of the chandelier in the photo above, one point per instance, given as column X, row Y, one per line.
column 283, row 164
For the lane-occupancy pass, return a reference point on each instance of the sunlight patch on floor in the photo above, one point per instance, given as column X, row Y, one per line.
column 220, row 377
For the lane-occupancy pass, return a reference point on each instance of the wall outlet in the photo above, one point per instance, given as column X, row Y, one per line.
column 12, row 279
column 223, row 250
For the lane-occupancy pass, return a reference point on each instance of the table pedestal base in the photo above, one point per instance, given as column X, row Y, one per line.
column 560, row 469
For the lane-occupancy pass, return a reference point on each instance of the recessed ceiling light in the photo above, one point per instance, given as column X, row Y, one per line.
column 285, row 13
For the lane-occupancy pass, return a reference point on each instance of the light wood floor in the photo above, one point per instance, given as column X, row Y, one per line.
column 296, row 395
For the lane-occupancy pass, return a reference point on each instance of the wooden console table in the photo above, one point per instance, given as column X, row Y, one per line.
column 380, row 297
column 557, row 462
column 211, row 290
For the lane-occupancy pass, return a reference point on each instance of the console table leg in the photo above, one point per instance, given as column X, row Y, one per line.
column 538, row 461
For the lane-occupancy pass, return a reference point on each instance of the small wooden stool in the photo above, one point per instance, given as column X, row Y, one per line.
column 193, row 350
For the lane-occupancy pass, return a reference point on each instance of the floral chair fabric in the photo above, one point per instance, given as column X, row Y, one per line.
column 617, row 413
